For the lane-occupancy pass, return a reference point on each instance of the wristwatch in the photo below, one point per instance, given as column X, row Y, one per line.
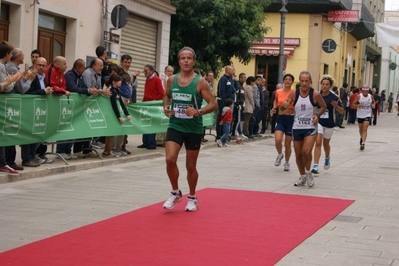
column 200, row 112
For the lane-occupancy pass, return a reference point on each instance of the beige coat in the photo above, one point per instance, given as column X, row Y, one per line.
column 249, row 105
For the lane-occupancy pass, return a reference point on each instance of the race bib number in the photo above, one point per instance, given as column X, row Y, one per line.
column 180, row 111
column 304, row 121
column 325, row 115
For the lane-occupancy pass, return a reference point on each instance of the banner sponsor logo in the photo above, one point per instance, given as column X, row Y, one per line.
column 66, row 116
column 12, row 119
column 182, row 97
column 145, row 117
column 94, row 115
column 40, row 120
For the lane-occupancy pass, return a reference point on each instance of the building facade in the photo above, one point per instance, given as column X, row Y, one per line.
column 315, row 42
column 74, row 29
column 390, row 62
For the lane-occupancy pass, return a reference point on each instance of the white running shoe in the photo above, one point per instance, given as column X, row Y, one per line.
column 120, row 152
column 64, row 155
column 310, row 180
column 315, row 170
column 172, row 200
column 71, row 156
column 278, row 159
column 242, row 136
column 192, row 204
column 219, row 142
column 97, row 145
column 301, row 181
column 286, row 166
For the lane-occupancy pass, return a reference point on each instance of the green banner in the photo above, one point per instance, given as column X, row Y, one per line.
column 26, row 119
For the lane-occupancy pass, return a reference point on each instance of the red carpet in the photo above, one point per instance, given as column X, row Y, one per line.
column 231, row 227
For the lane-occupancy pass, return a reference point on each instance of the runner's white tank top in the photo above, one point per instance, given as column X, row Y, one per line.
column 365, row 111
column 304, row 112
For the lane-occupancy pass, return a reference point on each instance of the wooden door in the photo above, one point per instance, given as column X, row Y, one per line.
column 51, row 43
column 4, row 30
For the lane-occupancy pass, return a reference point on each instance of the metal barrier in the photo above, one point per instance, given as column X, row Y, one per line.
column 52, row 143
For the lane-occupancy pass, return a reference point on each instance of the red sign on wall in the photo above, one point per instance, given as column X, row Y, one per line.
column 343, row 16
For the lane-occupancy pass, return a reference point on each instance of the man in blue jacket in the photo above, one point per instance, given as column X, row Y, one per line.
column 75, row 83
column 226, row 90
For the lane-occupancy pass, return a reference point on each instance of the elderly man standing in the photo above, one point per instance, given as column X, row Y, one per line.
column 226, row 90
column 75, row 83
column 55, row 78
column 92, row 75
column 17, row 58
column 40, row 87
column 37, row 87
column 6, row 85
column 153, row 91
column 92, row 79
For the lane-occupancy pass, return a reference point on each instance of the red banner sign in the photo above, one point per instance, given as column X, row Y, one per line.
column 343, row 16
column 269, row 52
column 287, row 41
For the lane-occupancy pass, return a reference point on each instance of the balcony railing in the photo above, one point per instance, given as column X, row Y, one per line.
column 365, row 27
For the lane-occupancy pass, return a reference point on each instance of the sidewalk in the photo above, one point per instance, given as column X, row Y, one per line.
column 366, row 233
column 58, row 166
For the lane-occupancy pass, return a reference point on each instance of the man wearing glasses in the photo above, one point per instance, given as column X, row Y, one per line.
column 153, row 91
column 38, row 85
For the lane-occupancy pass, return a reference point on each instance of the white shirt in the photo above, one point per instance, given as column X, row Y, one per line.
column 303, row 113
column 365, row 111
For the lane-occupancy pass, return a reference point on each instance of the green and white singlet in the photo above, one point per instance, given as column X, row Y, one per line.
column 182, row 97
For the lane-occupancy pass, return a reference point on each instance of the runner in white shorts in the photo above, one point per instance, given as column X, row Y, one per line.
column 326, row 124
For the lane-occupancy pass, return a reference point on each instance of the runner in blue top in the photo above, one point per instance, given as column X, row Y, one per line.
column 326, row 124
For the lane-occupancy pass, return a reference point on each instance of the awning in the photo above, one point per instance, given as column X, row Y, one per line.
column 271, row 50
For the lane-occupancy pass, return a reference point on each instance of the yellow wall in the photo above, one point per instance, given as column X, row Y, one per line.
column 333, row 60
column 298, row 61
column 312, row 29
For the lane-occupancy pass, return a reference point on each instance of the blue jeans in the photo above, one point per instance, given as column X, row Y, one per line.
column 149, row 140
column 28, row 152
column 226, row 132
column 236, row 127
column 134, row 96
column 338, row 119
column 64, row 148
